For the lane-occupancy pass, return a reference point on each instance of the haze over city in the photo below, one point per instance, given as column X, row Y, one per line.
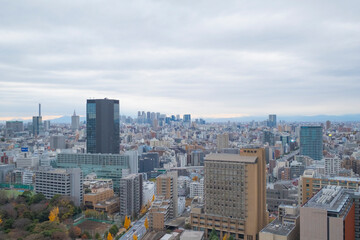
column 180, row 120
column 208, row 58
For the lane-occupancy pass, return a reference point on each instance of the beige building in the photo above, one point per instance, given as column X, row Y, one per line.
column 222, row 141
column 96, row 196
column 109, row 206
column 310, row 184
column 165, row 206
column 235, row 195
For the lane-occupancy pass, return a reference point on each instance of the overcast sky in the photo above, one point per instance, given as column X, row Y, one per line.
column 208, row 58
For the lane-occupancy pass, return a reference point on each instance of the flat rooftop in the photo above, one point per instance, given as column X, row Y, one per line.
column 227, row 157
column 330, row 198
column 276, row 227
column 192, row 235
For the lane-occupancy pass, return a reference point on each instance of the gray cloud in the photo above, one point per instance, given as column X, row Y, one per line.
column 202, row 57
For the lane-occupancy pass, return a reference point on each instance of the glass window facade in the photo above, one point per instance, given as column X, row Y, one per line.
column 311, row 143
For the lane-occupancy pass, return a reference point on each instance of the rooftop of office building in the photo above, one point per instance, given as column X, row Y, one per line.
column 226, row 157
column 277, row 227
column 330, row 198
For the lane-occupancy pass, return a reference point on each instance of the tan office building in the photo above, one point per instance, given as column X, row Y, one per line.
column 97, row 195
column 165, row 206
column 235, row 195
column 310, row 184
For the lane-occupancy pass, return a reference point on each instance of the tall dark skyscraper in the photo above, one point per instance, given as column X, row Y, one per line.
column 37, row 123
column 272, row 120
column 311, row 143
column 102, row 126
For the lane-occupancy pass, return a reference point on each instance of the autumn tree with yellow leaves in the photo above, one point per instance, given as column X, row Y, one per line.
column 153, row 198
column 109, row 237
column 127, row 222
column 54, row 215
column 135, row 237
column 146, row 223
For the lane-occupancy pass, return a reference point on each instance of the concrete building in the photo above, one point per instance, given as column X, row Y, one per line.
column 148, row 162
column 268, row 137
column 12, row 127
column 166, row 185
column 75, row 122
column 222, row 141
column 4, row 170
column 26, row 160
column 197, row 189
column 46, row 125
column 296, row 169
column 148, row 191
column 197, row 158
column 102, row 126
column 285, row 227
column 235, row 195
column 113, row 166
column 133, row 161
column 310, row 184
column 192, row 235
column 159, row 213
column 280, row 193
column 311, row 142
column 22, row 176
column 332, row 166
column 97, row 195
column 329, row 215
column 165, row 206
column 131, row 195
column 66, row 182
column 57, row 142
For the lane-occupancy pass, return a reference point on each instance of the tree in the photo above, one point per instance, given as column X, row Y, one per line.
column 146, row 223
column 54, row 215
column 74, row 232
column 22, row 223
column 114, row 230
column 231, row 237
column 127, row 222
column 87, row 235
column 225, row 237
column 135, row 237
column 1, row 221
column 153, row 198
column 37, row 198
column 195, row 178
column 109, row 237
column 213, row 235
column 143, row 210
column 97, row 236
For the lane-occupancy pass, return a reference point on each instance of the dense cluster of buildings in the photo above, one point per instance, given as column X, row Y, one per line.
column 253, row 180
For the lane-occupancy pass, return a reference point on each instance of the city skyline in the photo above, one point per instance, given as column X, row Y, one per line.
column 205, row 58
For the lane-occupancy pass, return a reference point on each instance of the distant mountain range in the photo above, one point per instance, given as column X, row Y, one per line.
column 316, row 118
